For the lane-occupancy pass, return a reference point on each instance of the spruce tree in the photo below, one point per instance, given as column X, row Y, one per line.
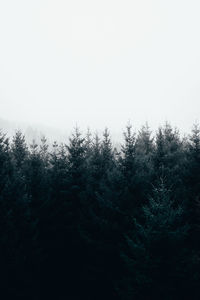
column 155, row 258
column 192, row 181
column 19, row 149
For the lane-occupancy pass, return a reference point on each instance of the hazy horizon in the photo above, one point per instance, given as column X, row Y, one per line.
column 99, row 64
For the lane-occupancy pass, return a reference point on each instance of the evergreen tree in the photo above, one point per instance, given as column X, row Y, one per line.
column 144, row 161
column 19, row 149
column 128, row 151
column 194, row 161
column 144, row 141
column 76, row 156
column 44, row 154
column 81, row 221
column 169, row 160
column 155, row 256
column 16, row 227
column 192, row 180
column 106, row 152
column 130, row 199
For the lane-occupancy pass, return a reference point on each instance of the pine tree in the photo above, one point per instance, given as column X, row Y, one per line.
column 44, row 151
column 19, row 149
column 128, row 151
column 16, row 226
column 194, row 161
column 76, row 156
column 106, row 152
column 64, row 248
column 144, row 141
column 156, row 257
column 144, row 161
column 192, row 181
column 169, row 160
column 82, row 220
column 130, row 197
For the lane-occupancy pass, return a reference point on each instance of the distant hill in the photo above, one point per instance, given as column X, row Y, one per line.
column 37, row 131
column 33, row 131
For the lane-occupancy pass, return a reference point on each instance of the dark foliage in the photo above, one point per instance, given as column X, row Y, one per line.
column 87, row 221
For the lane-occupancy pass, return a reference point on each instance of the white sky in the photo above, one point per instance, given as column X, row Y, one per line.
column 100, row 63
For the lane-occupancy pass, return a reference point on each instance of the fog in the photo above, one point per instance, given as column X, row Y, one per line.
column 100, row 63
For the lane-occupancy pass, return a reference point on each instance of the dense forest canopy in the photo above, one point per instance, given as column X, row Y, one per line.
column 86, row 220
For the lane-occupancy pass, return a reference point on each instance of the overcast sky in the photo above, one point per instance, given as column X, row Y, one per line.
column 100, row 63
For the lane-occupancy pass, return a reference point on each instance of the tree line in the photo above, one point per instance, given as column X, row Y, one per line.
column 85, row 220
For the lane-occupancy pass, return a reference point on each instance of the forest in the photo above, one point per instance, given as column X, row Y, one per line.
column 90, row 221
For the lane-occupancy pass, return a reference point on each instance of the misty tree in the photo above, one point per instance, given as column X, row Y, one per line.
column 83, row 219
column 19, row 149
column 155, row 254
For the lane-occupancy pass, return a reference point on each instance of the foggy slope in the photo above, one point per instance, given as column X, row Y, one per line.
column 33, row 131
